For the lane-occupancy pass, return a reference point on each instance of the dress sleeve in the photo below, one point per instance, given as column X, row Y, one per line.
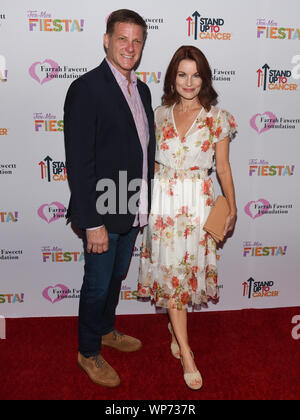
column 225, row 126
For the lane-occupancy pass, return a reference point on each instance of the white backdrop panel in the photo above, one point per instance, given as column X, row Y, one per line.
column 41, row 258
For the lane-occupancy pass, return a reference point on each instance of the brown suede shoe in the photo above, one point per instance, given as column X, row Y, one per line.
column 99, row 371
column 121, row 341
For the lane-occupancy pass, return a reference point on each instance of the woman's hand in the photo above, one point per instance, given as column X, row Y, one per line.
column 230, row 223
column 225, row 175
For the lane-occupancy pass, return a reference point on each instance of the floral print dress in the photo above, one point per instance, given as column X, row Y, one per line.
column 178, row 260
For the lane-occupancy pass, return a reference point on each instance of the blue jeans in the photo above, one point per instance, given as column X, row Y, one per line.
column 101, row 290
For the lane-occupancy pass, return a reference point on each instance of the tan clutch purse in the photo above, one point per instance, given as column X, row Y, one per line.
column 215, row 223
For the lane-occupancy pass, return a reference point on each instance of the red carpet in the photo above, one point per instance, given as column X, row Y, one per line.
column 242, row 355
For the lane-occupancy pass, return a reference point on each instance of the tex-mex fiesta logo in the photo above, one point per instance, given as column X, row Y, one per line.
column 47, row 123
column 52, row 170
column 269, row 29
column 149, row 77
column 261, row 167
column 200, row 27
column 59, row 255
column 44, row 22
column 9, row 216
column 127, row 293
column 258, row 249
column 275, row 79
column 12, row 298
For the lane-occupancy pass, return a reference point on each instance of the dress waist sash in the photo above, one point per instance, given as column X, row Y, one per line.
column 190, row 173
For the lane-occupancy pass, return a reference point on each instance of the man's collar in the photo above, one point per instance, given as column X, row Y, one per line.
column 119, row 76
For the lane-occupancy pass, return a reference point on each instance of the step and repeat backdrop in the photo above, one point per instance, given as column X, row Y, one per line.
column 254, row 52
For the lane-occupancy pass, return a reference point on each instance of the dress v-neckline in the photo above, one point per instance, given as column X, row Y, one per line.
column 174, row 123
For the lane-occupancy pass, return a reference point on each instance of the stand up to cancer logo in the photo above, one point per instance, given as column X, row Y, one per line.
column 275, row 79
column 206, row 28
column 53, row 170
column 259, row 289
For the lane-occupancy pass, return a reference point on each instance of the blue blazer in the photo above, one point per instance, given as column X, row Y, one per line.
column 101, row 140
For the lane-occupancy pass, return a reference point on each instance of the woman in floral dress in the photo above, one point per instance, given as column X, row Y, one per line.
column 178, row 261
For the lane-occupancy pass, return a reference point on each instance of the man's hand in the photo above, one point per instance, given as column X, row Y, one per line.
column 97, row 240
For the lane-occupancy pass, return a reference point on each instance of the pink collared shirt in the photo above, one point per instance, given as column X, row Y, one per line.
column 141, row 122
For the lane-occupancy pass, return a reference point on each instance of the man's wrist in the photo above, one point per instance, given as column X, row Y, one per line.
column 95, row 228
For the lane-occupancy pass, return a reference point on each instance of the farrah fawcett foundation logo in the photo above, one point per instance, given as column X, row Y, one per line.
column 47, row 70
column 10, row 254
column 154, row 23
column 269, row 121
column 7, row 168
column 52, row 212
column 261, row 207
column 60, row 292
column 222, row 75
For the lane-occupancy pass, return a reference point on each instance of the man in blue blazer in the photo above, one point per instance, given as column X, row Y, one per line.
column 110, row 148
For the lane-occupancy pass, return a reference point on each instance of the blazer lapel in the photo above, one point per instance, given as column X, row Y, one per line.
column 118, row 94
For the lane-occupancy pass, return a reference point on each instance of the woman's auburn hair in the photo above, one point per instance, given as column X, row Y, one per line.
column 207, row 95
